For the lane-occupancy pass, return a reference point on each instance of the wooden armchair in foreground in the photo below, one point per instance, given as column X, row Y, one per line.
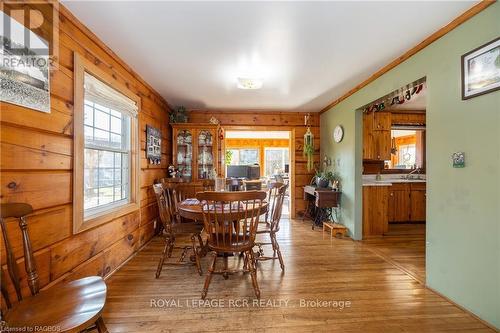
column 230, row 220
column 272, row 224
column 69, row 307
column 173, row 227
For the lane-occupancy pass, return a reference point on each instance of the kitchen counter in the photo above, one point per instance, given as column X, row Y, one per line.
column 369, row 180
column 392, row 200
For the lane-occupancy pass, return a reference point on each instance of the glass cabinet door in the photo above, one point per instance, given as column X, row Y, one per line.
column 184, row 152
column 205, row 154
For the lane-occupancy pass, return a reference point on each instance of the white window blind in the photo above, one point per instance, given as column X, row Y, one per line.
column 98, row 92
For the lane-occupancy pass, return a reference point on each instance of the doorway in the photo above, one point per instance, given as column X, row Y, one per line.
column 267, row 149
column 394, row 180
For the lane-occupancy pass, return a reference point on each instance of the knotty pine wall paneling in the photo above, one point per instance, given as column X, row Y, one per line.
column 36, row 167
column 276, row 121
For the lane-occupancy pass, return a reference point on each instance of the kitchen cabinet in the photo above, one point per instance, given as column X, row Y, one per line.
column 382, row 145
column 377, row 136
column 368, row 137
column 406, row 202
column 408, row 118
column 375, row 206
column 417, row 202
column 382, row 121
column 399, row 203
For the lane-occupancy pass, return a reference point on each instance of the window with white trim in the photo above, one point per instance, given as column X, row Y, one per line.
column 105, row 180
column 107, row 116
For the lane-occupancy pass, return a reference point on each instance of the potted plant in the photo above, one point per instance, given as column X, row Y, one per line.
column 228, row 158
column 308, row 151
column 178, row 115
column 323, row 178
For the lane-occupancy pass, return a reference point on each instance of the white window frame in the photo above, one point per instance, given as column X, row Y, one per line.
column 105, row 213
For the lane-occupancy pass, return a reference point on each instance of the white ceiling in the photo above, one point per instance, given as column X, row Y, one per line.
column 308, row 53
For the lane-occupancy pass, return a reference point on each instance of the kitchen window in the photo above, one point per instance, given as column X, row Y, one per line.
column 106, row 145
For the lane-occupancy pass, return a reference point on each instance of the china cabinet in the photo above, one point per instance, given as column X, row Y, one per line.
column 196, row 150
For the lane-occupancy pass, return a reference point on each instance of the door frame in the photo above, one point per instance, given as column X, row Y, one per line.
column 291, row 147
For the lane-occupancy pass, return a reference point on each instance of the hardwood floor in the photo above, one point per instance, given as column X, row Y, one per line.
column 382, row 297
column 403, row 246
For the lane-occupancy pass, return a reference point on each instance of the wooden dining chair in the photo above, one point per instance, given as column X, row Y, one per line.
column 272, row 226
column 272, row 192
column 69, row 307
column 174, row 227
column 230, row 220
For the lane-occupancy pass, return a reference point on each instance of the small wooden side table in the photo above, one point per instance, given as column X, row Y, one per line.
column 335, row 229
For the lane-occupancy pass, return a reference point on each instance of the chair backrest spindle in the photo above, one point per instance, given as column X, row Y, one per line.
column 19, row 211
column 278, row 207
column 163, row 207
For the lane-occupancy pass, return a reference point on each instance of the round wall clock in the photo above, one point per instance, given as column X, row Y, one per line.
column 338, row 133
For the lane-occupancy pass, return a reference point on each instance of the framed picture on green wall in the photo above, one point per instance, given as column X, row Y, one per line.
column 481, row 70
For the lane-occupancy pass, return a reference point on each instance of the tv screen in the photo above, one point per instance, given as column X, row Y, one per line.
column 237, row 171
column 243, row 171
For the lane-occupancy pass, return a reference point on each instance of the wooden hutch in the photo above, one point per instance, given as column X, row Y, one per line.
column 197, row 152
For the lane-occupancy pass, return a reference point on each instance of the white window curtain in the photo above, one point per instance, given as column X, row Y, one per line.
column 98, row 92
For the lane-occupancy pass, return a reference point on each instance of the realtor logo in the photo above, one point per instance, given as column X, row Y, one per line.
column 29, row 36
column 30, row 27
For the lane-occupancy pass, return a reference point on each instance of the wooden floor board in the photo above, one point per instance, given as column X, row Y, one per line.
column 384, row 298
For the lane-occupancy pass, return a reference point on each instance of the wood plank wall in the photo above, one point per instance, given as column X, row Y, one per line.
column 36, row 167
column 275, row 121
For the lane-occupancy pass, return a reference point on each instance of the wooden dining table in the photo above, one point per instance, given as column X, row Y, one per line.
column 190, row 208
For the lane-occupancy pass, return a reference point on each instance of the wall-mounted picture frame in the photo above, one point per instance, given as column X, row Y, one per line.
column 24, row 71
column 481, row 70
column 153, row 145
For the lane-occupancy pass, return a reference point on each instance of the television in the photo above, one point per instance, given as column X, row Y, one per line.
column 243, row 171
column 237, row 171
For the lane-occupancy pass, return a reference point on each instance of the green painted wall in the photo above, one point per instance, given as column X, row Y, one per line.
column 463, row 205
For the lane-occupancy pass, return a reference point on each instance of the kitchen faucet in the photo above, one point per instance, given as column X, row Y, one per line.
column 410, row 175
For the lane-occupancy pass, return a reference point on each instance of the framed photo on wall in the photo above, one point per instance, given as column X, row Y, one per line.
column 481, row 70
column 153, row 145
